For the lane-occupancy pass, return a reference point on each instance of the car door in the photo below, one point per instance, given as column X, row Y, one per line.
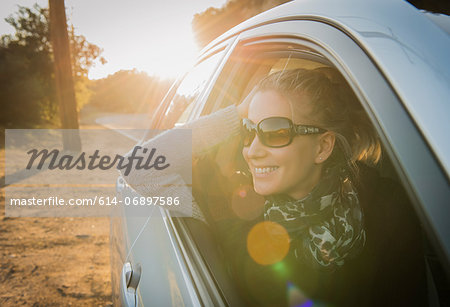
column 144, row 246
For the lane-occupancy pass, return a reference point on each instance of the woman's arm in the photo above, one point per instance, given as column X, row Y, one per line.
column 207, row 132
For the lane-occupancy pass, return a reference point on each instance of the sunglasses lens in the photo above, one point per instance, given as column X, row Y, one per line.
column 276, row 132
column 248, row 133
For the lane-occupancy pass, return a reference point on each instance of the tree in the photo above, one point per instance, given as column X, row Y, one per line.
column 215, row 21
column 65, row 92
column 128, row 91
column 26, row 69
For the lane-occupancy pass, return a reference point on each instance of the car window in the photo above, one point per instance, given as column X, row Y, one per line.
column 233, row 209
column 188, row 91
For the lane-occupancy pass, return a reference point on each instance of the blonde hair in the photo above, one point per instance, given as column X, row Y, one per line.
column 335, row 108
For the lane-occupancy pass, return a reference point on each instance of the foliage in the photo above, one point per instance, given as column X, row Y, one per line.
column 83, row 54
column 435, row 6
column 26, row 69
column 215, row 21
column 128, row 91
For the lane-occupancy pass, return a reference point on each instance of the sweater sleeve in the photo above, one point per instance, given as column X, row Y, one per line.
column 207, row 132
column 211, row 130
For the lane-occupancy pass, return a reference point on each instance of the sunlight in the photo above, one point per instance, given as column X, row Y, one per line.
column 172, row 56
column 154, row 37
column 166, row 53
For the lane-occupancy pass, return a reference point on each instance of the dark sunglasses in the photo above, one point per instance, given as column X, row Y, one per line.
column 275, row 131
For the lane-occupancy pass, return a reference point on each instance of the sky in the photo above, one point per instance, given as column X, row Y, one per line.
column 149, row 35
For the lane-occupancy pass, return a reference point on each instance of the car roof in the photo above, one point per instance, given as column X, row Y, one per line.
column 411, row 49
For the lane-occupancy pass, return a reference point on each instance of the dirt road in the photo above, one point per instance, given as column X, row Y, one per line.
column 53, row 261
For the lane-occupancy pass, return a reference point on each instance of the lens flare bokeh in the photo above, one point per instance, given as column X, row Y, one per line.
column 296, row 298
column 268, row 243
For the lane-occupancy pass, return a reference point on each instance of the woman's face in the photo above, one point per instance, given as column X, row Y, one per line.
column 292, row 169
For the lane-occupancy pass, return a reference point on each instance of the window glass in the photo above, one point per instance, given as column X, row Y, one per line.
column 189, row 90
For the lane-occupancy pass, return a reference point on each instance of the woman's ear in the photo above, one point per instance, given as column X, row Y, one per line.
column 326, row 145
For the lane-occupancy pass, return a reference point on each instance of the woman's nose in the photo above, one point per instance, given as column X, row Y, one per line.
column 256, row 149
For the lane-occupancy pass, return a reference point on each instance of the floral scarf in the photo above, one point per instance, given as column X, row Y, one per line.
column 326, row 226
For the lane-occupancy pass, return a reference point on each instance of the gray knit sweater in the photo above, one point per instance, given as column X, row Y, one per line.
column 207, row 132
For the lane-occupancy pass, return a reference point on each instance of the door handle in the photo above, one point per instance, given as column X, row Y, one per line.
column 131, row 275
column 120, row 184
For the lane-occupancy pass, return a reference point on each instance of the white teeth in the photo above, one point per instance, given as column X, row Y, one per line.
column 265, row 170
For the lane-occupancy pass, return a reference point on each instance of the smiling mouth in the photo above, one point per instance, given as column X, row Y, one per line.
column 265, row 170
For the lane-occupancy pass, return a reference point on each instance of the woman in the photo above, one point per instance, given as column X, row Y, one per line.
column 304, row 138
column 310, row 134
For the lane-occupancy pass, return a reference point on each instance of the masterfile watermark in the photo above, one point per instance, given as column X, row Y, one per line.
column 91, row 162
column 43, row 179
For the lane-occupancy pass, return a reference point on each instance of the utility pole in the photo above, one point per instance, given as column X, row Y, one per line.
column 63, row 75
